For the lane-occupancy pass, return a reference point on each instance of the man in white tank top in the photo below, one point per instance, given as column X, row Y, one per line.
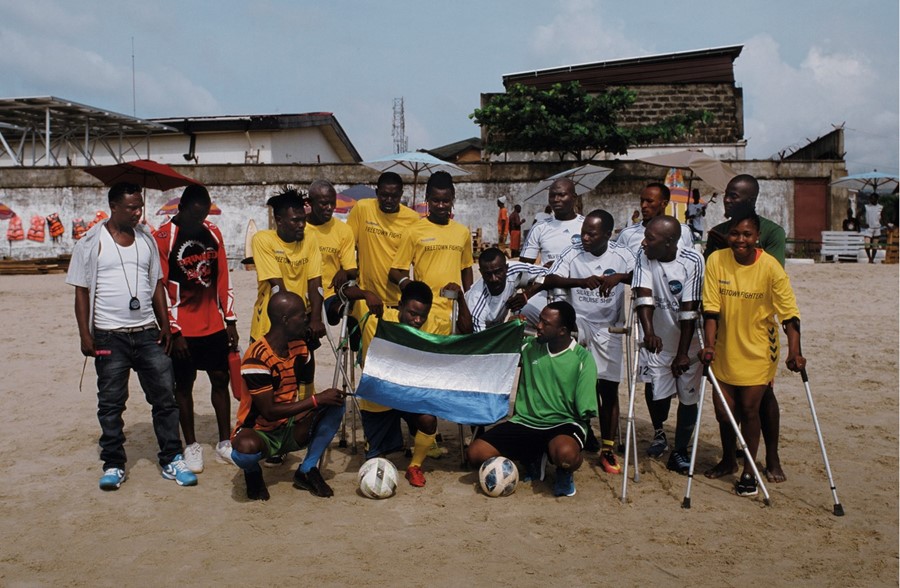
column 123, row 323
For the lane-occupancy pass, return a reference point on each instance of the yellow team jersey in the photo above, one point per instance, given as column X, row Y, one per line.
column 747, row 298
column 336, row 245
column 438, row 254
column 295, row 263
column 434, row 324
column 377, row 240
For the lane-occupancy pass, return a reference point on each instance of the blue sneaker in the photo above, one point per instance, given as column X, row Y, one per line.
column 112, row 478
column 565, row 483
column 178, row 470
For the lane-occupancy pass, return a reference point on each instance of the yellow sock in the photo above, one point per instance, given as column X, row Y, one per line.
column 307, row 390
column 608, row 445
column 421, row 445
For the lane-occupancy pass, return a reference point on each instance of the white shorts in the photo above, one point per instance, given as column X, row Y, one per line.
column 659, row 372
column 605, row 347
column 872, row 233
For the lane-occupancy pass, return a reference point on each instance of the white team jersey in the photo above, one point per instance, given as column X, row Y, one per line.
column 633, row 235
column 549, row 238
column 488, row 310
column 599, row 311
column 671, row 283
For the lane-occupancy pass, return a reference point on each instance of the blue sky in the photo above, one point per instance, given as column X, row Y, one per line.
column 806, row 65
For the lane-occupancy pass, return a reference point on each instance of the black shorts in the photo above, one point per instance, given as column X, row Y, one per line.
column 522, row 443
column 208, row 354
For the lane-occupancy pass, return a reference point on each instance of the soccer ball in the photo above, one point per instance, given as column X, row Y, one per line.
column 498, row 476
column 378, row 478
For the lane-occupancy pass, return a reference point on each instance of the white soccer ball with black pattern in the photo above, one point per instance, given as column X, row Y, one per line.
column 498, row 476
column 378, row 478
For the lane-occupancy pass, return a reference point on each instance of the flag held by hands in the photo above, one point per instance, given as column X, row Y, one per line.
column 466, row 379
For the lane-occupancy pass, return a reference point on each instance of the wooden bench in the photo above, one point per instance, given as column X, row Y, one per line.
column 841, row 245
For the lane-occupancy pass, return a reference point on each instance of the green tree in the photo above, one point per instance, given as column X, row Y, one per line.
column 566, row 120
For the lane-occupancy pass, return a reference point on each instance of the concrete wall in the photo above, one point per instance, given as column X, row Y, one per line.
column 241, row 191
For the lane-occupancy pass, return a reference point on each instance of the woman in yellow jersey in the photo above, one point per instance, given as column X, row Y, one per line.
column 743, row 291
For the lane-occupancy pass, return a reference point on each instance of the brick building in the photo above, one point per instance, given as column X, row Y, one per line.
column 666, row 85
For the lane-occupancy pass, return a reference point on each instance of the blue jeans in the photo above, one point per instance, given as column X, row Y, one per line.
column 139, row 352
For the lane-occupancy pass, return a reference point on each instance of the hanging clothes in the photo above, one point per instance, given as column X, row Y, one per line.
column 14, row 232
column 98, row 216
column 57, row 229
column 36, row 230
column 79, row 228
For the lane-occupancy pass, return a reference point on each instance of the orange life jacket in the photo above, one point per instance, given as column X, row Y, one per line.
column 36, row 230
column 98, row 216
column 15, row 232
column 56, row 227
column 79, row 228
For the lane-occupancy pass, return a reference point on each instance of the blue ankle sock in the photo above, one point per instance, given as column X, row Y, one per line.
column 249, row 462
column 324, row 432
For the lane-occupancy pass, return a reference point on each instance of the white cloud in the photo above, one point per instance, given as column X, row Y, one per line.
column 785, row 105
column 582, row 31
column 42, row 63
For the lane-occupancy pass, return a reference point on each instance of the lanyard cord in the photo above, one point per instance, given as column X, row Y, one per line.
column 137, row 265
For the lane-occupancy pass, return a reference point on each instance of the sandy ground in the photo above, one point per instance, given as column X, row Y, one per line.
column 60, row 529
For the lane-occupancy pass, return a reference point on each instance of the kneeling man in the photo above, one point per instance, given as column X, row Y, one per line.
column 555, row 398
column 279, row 414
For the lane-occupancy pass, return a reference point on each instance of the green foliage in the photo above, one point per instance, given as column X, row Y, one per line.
column 566, row 120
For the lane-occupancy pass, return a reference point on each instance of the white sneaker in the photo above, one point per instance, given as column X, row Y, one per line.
column 223, row 452
column 193, row 457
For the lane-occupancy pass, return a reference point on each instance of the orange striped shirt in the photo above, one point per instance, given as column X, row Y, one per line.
column 264, row 371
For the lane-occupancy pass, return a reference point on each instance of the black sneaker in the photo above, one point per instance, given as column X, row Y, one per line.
column 659, row 444
column 746, row 486
column 679, row 461
column 313, row 482
column 273, row 461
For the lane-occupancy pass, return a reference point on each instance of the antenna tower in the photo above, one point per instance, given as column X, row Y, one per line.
column 399, row 130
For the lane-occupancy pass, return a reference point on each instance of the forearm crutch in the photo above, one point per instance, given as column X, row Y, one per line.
column 454, row 314
column 686, row 503
column 838, row 509
column 631, row 360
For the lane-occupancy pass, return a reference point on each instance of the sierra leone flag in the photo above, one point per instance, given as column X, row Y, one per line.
column 466, row 379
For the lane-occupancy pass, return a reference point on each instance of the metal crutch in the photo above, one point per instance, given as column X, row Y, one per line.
column 630, row 432
column 686, row 503
column 454, row 314
column 838, row 509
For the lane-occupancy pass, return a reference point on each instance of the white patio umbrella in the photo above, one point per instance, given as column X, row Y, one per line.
column 586, row 178
column 414, row 163
column 876, row 181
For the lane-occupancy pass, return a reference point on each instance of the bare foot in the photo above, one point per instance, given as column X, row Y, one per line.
column 774, row 473
column 722, row 468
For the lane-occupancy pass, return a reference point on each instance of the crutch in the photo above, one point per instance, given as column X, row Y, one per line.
column 686, row 503
column 454, row 314
column 707, row 371
column 838, row 509
column 631, row 349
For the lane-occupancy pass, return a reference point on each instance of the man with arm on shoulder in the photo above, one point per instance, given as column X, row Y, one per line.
column 740, row 196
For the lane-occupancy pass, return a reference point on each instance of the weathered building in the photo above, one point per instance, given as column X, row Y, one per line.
column 666, row 85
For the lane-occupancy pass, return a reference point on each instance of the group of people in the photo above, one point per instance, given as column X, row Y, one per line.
column 162, row 305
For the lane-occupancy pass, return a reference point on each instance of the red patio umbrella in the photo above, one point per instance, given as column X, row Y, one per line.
column 170, row 208
column 6, row 212
column 143, row 172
